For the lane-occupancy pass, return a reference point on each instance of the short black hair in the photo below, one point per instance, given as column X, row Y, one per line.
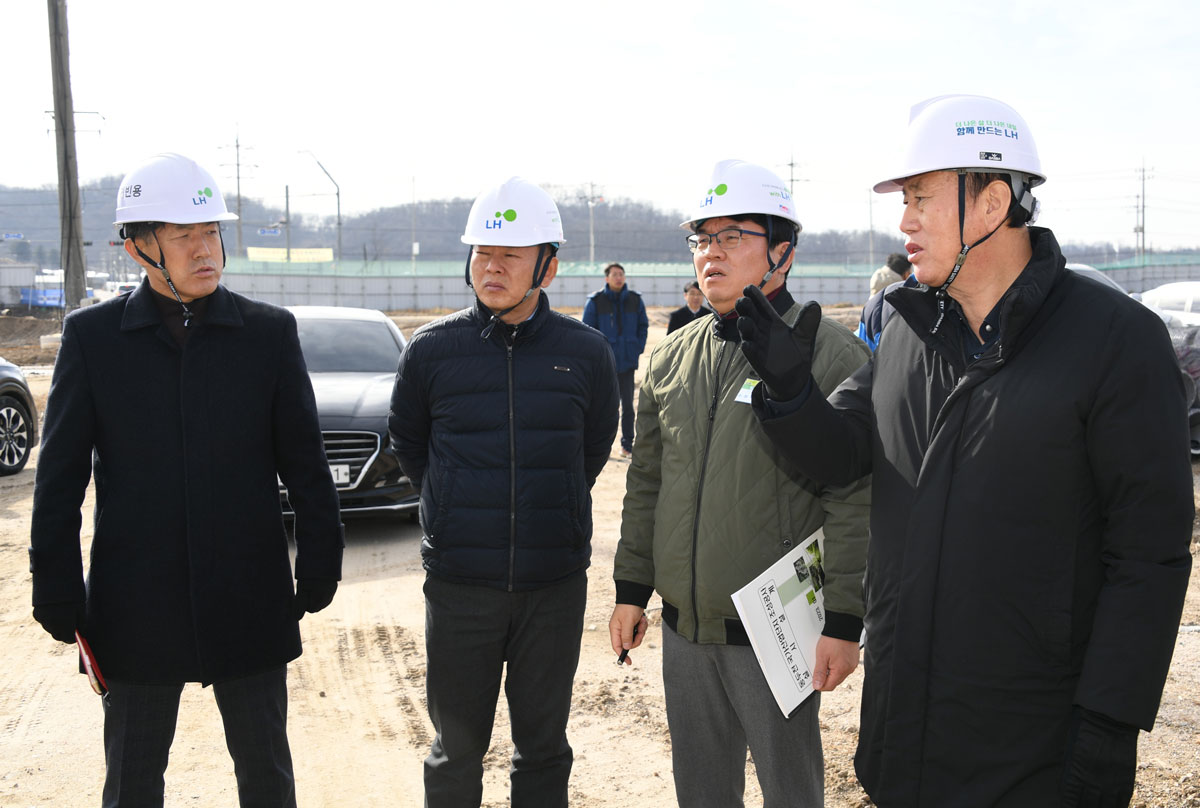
column 690, row 286
column 611, row 267
column 977, row 181
column 142, row 230
column 899, row 263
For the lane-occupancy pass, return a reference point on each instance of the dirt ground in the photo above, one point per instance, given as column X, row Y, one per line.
column 358, row 725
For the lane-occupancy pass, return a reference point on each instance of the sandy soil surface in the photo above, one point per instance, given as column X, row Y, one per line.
column 358, row 724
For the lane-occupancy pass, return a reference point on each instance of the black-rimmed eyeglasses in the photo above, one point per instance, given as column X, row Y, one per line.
column 726, row 239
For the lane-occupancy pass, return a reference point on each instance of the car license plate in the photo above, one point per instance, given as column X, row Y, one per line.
column 341, row 473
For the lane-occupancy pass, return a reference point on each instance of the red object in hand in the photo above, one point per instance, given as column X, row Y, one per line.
column 90, row 667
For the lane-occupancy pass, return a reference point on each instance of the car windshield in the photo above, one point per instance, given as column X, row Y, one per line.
column 348, row 346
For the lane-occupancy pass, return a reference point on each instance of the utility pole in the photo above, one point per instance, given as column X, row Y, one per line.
column 237, row 162
column 70, row 222
column 412, row 229
column 870, row 227
column 237, row 167
column 1139, row 227
column 287, row 222
column 591, row 224
column 592, row 202
column 1142, row 223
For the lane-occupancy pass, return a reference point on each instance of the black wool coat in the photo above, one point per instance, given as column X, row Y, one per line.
column 1031, row 516
column 190, row 578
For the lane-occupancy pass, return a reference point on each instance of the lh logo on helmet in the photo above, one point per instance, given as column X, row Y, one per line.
column 202, row 196
column 500, row 218
column 714, row 192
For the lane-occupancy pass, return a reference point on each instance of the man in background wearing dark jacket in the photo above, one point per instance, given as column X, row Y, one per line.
column 620, row 315
column 504, row 414
column 1015, row 409
column 184, row 401
column 693, row 308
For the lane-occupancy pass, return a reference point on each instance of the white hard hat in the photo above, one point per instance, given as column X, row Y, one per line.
column 515, row 213
column 738, row 188
column 969, row 132
column 170, row 188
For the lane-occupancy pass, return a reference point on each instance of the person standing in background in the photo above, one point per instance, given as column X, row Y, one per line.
column 692, row 308
column 620, row 315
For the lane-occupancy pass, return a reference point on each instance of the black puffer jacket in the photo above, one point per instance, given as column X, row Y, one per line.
column 1030, row 521
column 505, row 436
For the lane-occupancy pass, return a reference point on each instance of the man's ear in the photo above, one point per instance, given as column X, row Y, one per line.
column 131, row 248
column 998, row 200
column 777, row 252
column 551, row 271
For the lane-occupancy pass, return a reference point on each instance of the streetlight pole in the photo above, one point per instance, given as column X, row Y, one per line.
column 337, row 190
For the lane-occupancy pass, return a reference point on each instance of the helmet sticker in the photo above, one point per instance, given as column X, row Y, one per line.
column 500, row 218
column 720, row 190
column 984, row 127
column 994, row 156
column 202, row 196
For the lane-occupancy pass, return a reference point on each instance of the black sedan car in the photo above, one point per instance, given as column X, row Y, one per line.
column 18, row 419
column 352, row 355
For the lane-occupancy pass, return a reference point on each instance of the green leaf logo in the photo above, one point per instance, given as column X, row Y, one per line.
column 508, row 215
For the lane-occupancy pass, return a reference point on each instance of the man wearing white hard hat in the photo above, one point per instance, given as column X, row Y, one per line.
column 186, row 403
column 1015, row 410
column 503, row 414
column 710, row 503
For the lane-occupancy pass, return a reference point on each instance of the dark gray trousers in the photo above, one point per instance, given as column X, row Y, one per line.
column 473, row 636
column 718, row 704
column 139, row 725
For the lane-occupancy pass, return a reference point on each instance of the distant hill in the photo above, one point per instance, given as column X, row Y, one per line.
column 625, row 230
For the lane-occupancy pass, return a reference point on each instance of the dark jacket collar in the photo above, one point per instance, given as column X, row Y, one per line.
column 724, row 327
column 142, row 312
column 483, row 316
column 1017, row 306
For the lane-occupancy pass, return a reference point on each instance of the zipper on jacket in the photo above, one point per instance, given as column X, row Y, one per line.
column 712, row 414
column 512, row 467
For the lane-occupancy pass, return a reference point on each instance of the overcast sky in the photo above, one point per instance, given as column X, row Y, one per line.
column 438, row 99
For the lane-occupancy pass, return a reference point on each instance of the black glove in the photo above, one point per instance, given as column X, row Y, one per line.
column 782, row 356
column 313, row 595
column 60, row 619
column 1101, row 761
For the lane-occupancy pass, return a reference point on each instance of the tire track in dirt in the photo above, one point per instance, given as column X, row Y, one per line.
column 399, row 651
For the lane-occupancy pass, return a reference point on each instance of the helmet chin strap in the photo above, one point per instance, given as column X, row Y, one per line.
column 942, row 293
column 771, row 265
column 540, row 267
column 162, row 267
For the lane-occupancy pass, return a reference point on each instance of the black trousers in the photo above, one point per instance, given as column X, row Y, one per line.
column 474, row 635
column 139, row 725
column 625, row 387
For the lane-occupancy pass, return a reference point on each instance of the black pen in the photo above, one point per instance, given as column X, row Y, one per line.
column 625, row 651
